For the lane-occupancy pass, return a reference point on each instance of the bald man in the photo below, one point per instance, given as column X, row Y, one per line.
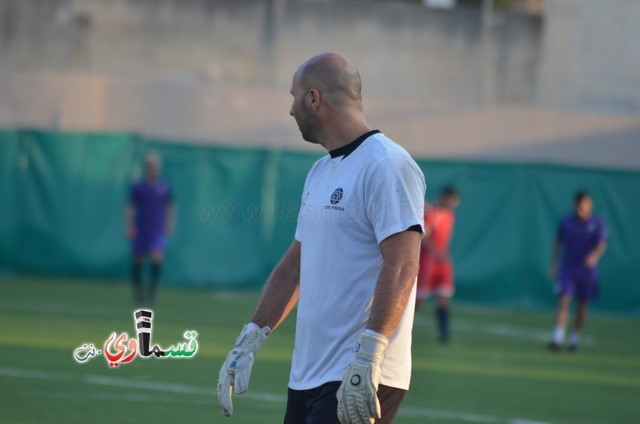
column 351, row 267
column 149, row 218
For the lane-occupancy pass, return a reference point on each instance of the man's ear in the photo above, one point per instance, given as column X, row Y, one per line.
column 313, row 99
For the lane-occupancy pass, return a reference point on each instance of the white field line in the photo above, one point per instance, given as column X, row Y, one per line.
column 495, row 329
column 499, row 329
column 129, row 396
column 57, row 308
column 175, row 388
column 208, row 395
column 102, row 380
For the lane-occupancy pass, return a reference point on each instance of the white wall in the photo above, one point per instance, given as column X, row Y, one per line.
column 218, row 72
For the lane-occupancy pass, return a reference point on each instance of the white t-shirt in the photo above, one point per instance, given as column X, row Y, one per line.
column 350, row 204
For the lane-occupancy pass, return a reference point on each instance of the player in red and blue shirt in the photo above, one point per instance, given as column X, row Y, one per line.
column 582, row 238
column 149, row 217
column 436, row 267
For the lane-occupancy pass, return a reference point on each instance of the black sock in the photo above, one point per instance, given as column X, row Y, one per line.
column 155, row 277
column 442, row 316
column 136, row 280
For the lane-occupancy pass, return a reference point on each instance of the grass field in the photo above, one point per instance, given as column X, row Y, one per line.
column 495, row 370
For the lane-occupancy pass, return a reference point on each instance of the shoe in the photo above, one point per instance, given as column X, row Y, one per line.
column 573, row 348
column 554, row 347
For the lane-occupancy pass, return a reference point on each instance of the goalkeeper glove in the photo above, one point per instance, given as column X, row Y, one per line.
column 236, row 370
column 357, row 399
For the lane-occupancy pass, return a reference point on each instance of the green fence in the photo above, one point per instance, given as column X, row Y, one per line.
column 63, row 196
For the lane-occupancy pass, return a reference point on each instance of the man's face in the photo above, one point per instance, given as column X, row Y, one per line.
column 584, row 208
column 301, row 112
column 153, row 170
column 450, row 201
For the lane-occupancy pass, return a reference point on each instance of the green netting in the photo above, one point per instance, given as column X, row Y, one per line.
column 507, row 221
column 63, row 196
column 10, row 163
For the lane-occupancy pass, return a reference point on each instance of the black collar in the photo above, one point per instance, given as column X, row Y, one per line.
column 347, row 149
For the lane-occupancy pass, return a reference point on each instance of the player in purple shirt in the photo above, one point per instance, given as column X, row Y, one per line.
column 149, row 219
column 582, row 238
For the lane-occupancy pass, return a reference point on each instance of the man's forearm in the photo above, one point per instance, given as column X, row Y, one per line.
column 395, row 282
column 391, row 298
column 281, row 291
column 600, row 249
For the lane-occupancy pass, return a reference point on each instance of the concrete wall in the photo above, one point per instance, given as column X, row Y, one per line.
column 219, row 71
column 403, row 50
column 591, row 55
column 585, row 55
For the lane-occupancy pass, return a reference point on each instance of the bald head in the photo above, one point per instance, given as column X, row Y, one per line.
column 153, row 165
column 334, row 76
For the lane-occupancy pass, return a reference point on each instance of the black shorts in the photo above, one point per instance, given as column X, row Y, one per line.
column 320, row 405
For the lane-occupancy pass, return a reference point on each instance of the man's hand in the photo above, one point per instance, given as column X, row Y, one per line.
column 592, row 260
column 130, row 230
column 357, row 399
column 236, row 370
column 594, row 257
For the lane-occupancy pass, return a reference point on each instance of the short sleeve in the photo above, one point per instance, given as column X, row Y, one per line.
column 603, row 232
column 394, row 196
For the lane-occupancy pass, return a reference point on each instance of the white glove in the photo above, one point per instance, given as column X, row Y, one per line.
column 357, row 399
column 236, row 370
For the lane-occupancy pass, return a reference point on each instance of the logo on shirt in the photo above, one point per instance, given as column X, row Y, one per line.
column 336, row 196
